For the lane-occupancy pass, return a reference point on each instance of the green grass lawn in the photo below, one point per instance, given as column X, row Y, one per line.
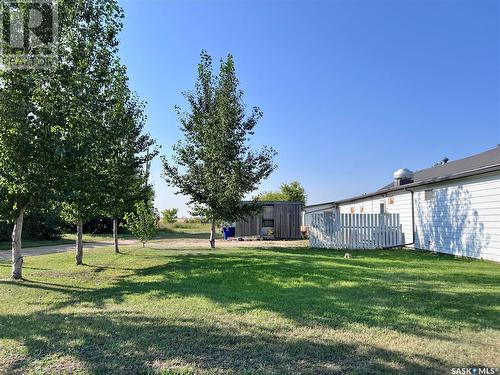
column 249, row 311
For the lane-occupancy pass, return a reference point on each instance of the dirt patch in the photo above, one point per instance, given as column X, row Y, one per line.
column 184, row 243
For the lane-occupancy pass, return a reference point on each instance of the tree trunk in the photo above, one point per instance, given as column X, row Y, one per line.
column 79, row 243
column 115, row 235
column 212, row 235
column 17, row 259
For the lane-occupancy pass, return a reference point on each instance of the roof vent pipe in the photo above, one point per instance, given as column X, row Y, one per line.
column 403, row 177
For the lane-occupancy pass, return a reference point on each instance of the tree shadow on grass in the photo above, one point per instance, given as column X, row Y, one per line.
column 397, row 293
column 396, row 290
column 131, row 344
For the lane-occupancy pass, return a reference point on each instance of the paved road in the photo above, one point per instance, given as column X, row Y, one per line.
column 42, row 250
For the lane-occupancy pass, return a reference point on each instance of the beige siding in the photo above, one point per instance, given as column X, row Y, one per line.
column 461, row 218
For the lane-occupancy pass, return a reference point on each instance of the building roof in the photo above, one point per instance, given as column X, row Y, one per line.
column 270, row 203
column 484, row 159
column 484, row 162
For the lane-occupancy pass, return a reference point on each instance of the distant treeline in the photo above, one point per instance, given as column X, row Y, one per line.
column 49, row 225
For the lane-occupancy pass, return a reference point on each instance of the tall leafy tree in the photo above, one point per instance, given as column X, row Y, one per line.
column 54, row 125
column 27, row 139
column 130, row 150
column 214, row 164
column 26, row 151
column 82, row 79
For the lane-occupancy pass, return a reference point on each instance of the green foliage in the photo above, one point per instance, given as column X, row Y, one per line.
column 102, row 150
column 143, row 222
column 169, row 215
column 43, row 224
column 272, row 196
column 129, row 150
column 214, row 164
column 27, row 143
column 5, row 231
column 83, row 79
column 292, row 192
column 39, row 224
column 73, row 134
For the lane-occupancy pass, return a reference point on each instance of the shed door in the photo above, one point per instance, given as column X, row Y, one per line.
column 287, row 221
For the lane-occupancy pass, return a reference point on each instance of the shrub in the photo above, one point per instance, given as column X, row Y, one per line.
column 143, row 222
column 169, row 216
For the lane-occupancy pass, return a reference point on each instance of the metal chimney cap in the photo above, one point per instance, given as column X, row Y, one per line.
column 403, row 173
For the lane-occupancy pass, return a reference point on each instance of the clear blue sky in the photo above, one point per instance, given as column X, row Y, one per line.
column 350, row 90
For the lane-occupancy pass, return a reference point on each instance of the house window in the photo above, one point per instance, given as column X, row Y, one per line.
column 362, row 210
column 391, row 200
column 382, row 208
column 429, row 194
column 353, row 210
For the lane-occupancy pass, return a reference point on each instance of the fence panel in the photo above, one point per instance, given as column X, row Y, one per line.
column 355, row 231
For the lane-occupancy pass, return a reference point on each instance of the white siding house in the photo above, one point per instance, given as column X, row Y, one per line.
column 460, row 217
column 455, row 207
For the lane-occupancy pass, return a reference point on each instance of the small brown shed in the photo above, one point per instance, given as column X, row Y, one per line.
column 277, row 220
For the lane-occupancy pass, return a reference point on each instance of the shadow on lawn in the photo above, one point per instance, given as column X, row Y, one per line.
column 124, row 343
column 311, row 290
column 320, row 289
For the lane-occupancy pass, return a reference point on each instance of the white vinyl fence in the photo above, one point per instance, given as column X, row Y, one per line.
column 333, row 230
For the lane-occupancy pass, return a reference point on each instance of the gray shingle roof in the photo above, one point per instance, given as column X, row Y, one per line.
column 484, row 162
column 484, row 159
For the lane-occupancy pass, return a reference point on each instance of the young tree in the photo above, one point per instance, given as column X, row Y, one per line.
column 142, row 222
column 214, row 164
column 169, row 215
column 129, row 151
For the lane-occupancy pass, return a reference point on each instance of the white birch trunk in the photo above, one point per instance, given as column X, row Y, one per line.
column 17, row 258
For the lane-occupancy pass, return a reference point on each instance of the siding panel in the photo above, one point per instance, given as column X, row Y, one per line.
column 461, row 218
